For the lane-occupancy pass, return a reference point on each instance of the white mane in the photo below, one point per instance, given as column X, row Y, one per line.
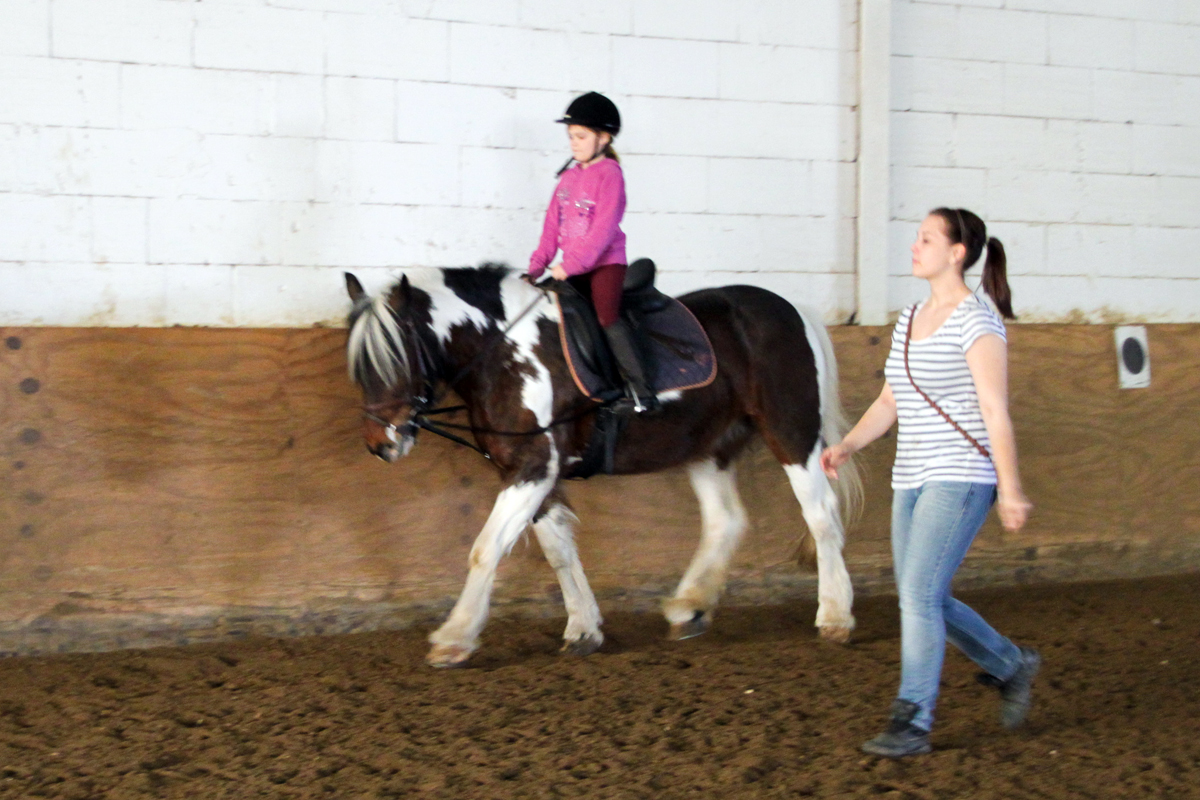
column 376, row 339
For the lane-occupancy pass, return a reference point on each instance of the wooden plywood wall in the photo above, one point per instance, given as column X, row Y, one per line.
column 170, row 485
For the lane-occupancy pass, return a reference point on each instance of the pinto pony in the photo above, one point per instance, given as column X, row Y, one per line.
column 493, row 339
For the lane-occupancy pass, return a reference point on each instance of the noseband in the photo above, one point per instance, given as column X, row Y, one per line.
column 418, row 418
column 409, row 428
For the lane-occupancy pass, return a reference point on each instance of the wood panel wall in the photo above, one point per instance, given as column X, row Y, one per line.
column 171, row 485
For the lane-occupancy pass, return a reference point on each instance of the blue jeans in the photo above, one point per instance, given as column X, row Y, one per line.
column 932, row 528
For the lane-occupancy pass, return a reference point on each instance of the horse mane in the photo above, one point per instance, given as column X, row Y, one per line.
column 486, row 270
column 479, row 286
column 376, row 343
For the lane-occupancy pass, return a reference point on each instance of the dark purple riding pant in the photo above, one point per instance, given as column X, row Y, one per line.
column 604, row 285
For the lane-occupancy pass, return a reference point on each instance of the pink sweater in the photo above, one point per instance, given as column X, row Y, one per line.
column 584, row 220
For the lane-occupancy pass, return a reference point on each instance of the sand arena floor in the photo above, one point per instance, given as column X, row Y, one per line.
column 757, row 708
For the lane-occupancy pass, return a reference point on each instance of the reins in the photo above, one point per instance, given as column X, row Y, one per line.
column 421, row 406
column 419, row 421
column 907, row 338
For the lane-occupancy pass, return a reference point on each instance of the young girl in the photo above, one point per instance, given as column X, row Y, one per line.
column 947, row 384
column 583, row 221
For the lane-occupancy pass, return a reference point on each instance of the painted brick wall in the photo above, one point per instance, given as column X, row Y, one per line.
column 1073, row 128
column 221, row 162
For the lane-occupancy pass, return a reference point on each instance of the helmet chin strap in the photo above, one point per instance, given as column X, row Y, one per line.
column 597, row 151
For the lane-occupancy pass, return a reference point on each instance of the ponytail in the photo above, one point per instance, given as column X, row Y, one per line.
column 995, row 278
column 965, row 228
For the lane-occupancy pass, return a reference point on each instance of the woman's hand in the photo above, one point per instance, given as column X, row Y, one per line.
column 1013, row 508
column 832, row 458
column 558, row 273
column 874, row 423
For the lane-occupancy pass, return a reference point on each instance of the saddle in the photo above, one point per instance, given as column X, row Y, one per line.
column 675, row 348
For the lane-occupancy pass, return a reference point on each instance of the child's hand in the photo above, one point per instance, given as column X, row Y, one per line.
column 558, row 273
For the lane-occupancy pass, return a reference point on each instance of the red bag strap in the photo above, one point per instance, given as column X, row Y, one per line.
column 928, row 399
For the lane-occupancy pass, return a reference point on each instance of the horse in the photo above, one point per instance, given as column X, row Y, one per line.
column 493, row 339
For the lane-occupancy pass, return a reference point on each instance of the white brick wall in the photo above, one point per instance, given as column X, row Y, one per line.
column 220, row 163
column 1072, row 127
column 26, row 28
column 141, row 31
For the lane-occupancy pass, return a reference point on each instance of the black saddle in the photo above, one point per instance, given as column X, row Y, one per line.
column 676, row 353
column 584, row 340
column 639, row 295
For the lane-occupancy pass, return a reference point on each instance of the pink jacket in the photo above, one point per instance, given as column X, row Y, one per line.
column 584, row 220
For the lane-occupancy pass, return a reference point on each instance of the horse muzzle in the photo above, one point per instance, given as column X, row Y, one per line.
column 397, row 442
column 390, row 453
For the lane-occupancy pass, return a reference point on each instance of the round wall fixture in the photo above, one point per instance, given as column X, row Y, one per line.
column 1133, row 357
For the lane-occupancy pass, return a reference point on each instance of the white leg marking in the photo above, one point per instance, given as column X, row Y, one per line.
column 835, row 594
column 458, row 637
column 556, row 534
column 515, row 506
column 723, row 521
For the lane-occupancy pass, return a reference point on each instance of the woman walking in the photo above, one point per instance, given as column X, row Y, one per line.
column 947, row 384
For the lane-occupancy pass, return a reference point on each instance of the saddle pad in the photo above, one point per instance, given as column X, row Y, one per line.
column 680, row 355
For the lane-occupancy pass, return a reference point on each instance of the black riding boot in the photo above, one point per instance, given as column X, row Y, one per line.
column 629, row 362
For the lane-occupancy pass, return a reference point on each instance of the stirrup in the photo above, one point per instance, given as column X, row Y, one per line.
column 633, row 403
column 646, row 406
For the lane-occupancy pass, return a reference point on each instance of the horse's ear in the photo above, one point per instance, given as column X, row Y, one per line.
column 354, row 288
column 405, row 291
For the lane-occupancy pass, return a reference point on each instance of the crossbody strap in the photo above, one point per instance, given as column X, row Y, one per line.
column 928, row 399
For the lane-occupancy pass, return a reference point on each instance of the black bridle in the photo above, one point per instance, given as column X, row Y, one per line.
column 424, row 405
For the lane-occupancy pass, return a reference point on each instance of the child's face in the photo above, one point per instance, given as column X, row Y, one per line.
column 586, row 143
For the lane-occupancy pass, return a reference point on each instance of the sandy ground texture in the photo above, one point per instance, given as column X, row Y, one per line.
column 759, row 707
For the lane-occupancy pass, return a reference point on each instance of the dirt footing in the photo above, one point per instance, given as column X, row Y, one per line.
column 759, row 707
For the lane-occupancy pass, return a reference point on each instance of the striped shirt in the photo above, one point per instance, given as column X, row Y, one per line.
column 927, row 447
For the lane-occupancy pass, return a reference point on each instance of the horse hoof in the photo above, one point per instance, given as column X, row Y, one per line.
column 838, row 634
column 583, row 646
column 698, row 624
column 447, row 656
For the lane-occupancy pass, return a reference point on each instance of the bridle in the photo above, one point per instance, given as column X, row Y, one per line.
column 424, row 404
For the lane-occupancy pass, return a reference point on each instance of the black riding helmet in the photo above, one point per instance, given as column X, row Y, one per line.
column 593, row 110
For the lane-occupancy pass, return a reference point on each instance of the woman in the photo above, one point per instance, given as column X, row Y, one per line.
column 947, row 384
column 583, row 221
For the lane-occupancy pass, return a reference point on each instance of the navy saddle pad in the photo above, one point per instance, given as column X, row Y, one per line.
column 676, row 349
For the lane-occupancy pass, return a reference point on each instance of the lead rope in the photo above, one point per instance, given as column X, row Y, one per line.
column 928, row 399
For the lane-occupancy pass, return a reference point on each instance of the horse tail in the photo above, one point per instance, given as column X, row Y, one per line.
column 834, row 423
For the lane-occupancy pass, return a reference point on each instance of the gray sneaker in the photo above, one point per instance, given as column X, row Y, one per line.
column 901, row 738
column 1016, row 692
